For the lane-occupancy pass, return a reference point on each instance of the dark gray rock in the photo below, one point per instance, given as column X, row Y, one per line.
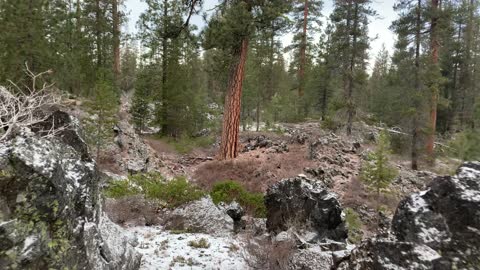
column 386, row 254
column 323, row 175
column 201, row 216
column 445, row 217
column 264, row 142
column 50, row 190
column 304, row 203
column 311, row 259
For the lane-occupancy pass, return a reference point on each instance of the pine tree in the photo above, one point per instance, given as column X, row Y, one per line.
column 351, row 19
column 306, row 17
column 23, row 39
column 162, row 25
column 376, row 171
column 231, row 29
column 410, row 27
column 103, row 110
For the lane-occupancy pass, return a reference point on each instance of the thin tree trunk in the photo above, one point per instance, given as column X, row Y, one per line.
column 116, row 39
column 98, row 34
column 257, row 116
column 415, row 129
column 303, row 56
column 451, row 125
column 434, row 44
column 231, row 116
column 350, row 102
column 164, row 108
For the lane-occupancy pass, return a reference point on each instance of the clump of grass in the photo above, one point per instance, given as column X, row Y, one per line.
column 153, row 186
column 354, row 225
column 121, row 188
column 201, row 243
column 229, row 191
column 175, row 192
column 178, row 259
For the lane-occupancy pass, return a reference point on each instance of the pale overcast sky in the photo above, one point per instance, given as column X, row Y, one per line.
column 378, row 28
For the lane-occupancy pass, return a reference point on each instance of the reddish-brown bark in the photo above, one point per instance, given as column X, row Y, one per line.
column 434, row 44
column 231, row 116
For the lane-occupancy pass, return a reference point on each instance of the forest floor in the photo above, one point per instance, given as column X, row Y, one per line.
column 266, row 158
column 334, row 157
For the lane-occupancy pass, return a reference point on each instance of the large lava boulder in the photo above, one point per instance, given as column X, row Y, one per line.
column 445, row 217
column 50, row 204
column 302, row 202
column 386, row 254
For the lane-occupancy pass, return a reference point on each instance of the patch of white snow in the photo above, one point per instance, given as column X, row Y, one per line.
column 164, row 250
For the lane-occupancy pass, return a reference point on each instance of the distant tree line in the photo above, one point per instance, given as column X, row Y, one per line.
column 427, row 86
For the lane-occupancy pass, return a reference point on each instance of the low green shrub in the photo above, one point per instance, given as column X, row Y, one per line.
column 229, row 191
column 466, row 145
column 175, row 192
column 153, row 186
column 354, row 225
column 330, row 124
column 121, row 188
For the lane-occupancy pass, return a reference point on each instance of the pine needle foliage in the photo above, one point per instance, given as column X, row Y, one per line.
column 376, row 172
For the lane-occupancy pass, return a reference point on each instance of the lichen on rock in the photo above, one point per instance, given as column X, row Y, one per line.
column 50, row 197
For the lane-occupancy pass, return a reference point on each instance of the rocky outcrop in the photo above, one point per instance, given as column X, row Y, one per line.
column 51, row 215
column 445, row 217
column 302, row 202
column 263, row 142
column 201, row 216
column 438, row 228
column 387, row 254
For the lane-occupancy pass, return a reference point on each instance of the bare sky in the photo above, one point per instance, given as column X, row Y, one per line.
column 378, row 28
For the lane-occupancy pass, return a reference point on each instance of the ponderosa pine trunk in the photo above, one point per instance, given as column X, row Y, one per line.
column 434, row 44
column 116, row 39
column 231, row 115
column 415, row 128
column 303, row 54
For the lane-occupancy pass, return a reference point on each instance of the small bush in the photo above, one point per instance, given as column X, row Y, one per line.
column 175, row 192
column 153, row 186
column 354, row 225
column 376, row 172
column 466, row 145
column 226, row 191
column 330, row 124
column 229, row 191
column 202, row 243
column 121, row 188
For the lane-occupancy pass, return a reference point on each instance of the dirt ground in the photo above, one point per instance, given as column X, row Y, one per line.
column 259, row 168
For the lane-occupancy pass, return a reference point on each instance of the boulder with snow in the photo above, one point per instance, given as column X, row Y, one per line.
column 201, row 216
column 387, row 254
column 51, row 215
column 311, row 259
column 302, row 202
column 445, row 217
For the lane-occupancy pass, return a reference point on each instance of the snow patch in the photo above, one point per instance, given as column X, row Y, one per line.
column 37, row 153
column 466, row 172
column 164, row 250
column 418, row 204
column 425, row 253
